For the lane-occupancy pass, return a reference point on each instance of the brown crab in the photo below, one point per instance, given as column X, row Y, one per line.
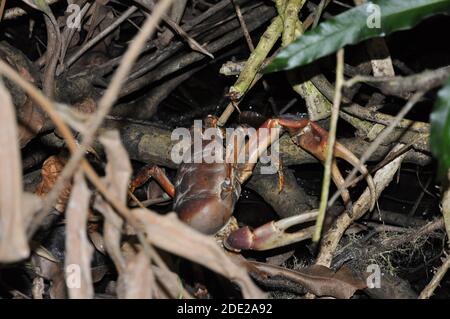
column 205, row 193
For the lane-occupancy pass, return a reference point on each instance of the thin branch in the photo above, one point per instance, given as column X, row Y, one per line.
column 100, row 36
column 428, row 291
column 319, row 10
column 402, row 86
column 194, row 45
column 330, row 145
column 237, row 8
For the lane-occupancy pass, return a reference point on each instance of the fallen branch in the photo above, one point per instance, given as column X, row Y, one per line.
column 428, row 291
column 149, row 143
column 78, row 247
column 404, row 86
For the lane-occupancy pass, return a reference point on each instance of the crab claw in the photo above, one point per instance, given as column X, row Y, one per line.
column 270, row 235
column 313, row 139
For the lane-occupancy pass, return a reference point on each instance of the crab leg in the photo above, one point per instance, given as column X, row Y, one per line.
column 157, row 173
column 311, row 137
column 237, row 151
column 258, row 143
column 271, row 235
column 314, row 139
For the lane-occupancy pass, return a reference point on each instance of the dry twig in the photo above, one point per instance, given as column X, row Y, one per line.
column 428, row 291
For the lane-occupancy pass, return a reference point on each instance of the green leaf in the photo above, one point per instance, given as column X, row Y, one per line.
column 353, row 26
column 440, row 129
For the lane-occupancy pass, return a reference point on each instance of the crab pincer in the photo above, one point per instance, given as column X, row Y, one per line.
column 271, row 235
column 314, row 139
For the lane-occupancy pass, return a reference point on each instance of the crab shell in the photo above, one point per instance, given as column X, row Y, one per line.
column 206, row 193
column 205, row 197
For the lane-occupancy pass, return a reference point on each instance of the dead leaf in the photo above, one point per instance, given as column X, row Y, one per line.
column 108, row 18
column 45, row 267
column 97, row 13
column 170, row 234
column 58, row 287
column 172, row 286
column 51, row 169
column 52, row 271
column 137, row 280
column 97, row 240
column 279, row 259
column 13, row 239
column 118, row 173
column 318, row 279
column 43, row 252
column 31, row 205
column 78, row 248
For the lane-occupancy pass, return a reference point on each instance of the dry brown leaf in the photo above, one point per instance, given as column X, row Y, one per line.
column 78, row 247
column 52, row 271
column 44, row 267
column 13, row 240
column 97, row 240
column 319, row 280
column 137, row 280
column 97, row 13
column 43, row 252
column 172, row 284
column 106, row 21
column 279, row 259
column 51, row 169
column 170, row 234
column 118, row 173
column 31, row 205
column 58, row 287
column 87, row 106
